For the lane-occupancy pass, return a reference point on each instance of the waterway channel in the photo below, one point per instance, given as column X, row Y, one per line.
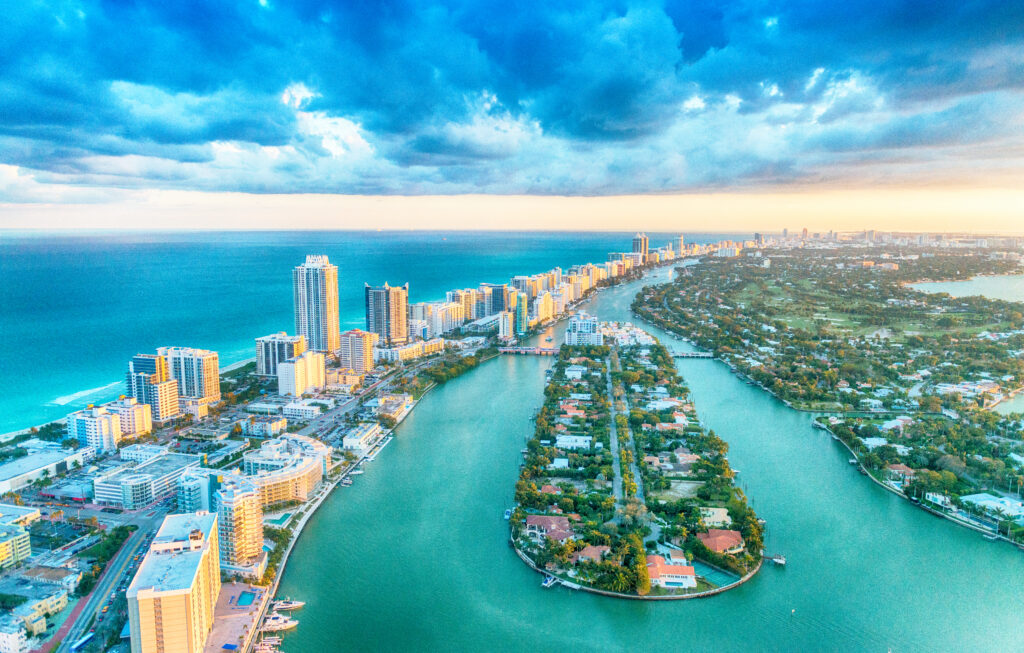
column 414, row 556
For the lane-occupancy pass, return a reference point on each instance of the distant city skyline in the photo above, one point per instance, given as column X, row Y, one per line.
column 925, row 209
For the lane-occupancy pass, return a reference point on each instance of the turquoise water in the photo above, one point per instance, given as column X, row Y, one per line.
column 75, row 308
column 416, row 556
column 280, row 521
column 1006, row 287
column 246, row 598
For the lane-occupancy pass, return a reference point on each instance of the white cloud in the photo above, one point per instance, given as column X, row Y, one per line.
column 297, row 95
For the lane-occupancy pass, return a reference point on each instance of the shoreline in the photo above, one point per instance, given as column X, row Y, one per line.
column 636, row 597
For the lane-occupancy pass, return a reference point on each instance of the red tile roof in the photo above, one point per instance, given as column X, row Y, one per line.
column 657, row 567
column 719, row 540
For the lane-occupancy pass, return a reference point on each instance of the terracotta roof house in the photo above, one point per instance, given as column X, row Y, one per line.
column 554, row 526
column 721, row 541
column 550, row 489
column 671, row 576
column 589, row 553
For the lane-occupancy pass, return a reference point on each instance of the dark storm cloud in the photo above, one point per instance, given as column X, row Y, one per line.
column 498, row 96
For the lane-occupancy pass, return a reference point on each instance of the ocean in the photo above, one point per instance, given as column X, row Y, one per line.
column 77, row 306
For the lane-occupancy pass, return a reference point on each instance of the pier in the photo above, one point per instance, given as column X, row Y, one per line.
column 692, row 354
column 529, row 351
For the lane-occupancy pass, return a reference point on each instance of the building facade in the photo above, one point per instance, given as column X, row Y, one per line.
column 583, row 329
column 387, row 313
column 356, row 350
column 96, row 427
column 149, row 382
column 302, row 374
column 239, row 522
column 172, row 598
column 315, row 292
column 275, row 348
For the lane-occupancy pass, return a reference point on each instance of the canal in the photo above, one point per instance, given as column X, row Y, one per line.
column 414, row 556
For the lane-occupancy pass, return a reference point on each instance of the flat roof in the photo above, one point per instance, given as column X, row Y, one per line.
column 157, row 466
column 172, row 570
column 32, row 462
column 10, row 513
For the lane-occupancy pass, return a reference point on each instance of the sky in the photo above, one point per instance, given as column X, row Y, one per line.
column 748, row 114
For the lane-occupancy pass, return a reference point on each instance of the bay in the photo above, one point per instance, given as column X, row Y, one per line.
column 414, row 557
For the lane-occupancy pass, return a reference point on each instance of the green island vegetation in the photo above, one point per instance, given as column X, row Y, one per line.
column 624, row 499
column 280, row 537
column 906, row 379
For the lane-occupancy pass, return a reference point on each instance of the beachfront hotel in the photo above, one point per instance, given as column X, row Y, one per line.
column 387, row 313
column 315, row 291
column 149, row 382
column 197, row 372
column 96, row 427
column 277, row 347
column 356, row 352
column 302, row 374
column 287, row 468
column 172, row 598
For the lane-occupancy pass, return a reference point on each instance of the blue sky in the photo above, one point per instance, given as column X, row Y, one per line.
column 506, row 97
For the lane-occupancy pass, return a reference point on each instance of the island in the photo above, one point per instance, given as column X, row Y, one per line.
column 906, row 380
column 623, row 492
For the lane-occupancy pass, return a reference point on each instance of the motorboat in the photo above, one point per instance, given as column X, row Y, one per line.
column 288, row 604
column 549, row 580
column 276, row 622
column 508, row 514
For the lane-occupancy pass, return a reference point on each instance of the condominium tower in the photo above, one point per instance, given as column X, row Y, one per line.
column 197, row 372
column 149, row 381
column 356, row 350
column 315, row 286
column 387, row 313
column 95, row 426
column 173, row 595
column 640, row 246
column 277, row 347
column 239, row 522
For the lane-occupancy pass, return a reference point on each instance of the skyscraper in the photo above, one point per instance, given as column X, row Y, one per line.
column 499, row 297
column 173, row 595
column 149, row 381
column 277, row 347
column 682, row 244
column 96, row 427
column 197, row 372
column 387, row 313
column 356, row 350
column 640, row 246
column 315, row 290
column 239, row 522
column 522, row 313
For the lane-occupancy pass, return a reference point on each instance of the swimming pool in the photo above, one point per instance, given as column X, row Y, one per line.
column 246, row 598
column 280, row 521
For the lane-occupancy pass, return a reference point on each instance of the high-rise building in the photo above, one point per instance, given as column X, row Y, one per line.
column 277, row 347
column 149, row 382
column 95, row 426
column 803, row 234
column 136, row 418
column 640, row 246
column 522, row 313
column 197, row 372
column 315, row 290
column 239, row 522
column 172, row 598
column 506, row 325
column 682, row 244
column 583, row 329
column 499, row 294
column 356, row 350
column 387, row 313
column 446, row 317
column 302, row 374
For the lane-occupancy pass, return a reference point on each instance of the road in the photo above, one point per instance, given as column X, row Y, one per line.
column 613, row 431
column 112, row 576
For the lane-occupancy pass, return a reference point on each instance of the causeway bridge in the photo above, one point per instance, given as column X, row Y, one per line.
column 692, row 354
column 529, row 351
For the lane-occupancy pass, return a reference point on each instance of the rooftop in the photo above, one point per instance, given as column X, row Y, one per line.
column 174, row 568
column 32, row 462
column 11, row 514
column 157, row 467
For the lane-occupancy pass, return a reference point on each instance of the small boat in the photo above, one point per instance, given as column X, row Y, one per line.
column 508, row 514
column 276, row 622
column 990, row 537
column 549, row 580
column 356, row 472
column 346, row 483
column 288, row 604
column 853, row 461
column 779, row 560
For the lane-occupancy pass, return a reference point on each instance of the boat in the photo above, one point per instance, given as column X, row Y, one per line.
column 508, row 514
column 778, row 559
column 288, row 604
column 853, row 461
column 549, row 580
column 276, row 622
column 356, row 472
column 346, row 482
column 990, row 537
